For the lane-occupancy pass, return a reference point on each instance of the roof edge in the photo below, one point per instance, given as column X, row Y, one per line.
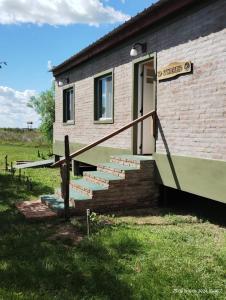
column 135, row 25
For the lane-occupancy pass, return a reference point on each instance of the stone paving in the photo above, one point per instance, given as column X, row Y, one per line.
column 35, row 210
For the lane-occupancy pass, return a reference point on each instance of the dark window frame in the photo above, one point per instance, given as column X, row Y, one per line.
column 68, row 120
column 97, row 79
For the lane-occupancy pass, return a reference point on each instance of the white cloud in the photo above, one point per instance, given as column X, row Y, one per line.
column 13, row 108
column 49, row 65
column 58, row 12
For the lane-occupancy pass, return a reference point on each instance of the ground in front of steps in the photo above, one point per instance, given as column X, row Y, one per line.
column 35, row 210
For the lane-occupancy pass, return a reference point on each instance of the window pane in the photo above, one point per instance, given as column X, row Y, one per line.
column 109, row 97
column 68, row 103
column 104, row 98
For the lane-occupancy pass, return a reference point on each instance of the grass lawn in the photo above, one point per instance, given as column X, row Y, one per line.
column 164, row 256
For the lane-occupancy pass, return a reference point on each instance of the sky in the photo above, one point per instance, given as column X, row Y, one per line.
column 35, row 33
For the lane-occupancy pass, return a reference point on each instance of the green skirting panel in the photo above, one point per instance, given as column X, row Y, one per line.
column 94, row 156
column 203, row 177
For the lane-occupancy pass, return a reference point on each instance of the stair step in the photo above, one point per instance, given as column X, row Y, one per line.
column 54, row 202
column 131, row 160
column 116, row 168
column 87, row 186
column 102, row 177
column 134, row 158
column 75, row 195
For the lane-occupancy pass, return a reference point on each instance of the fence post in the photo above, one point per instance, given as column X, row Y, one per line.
column 65, row 177
column 11, row 168
column 6, row 163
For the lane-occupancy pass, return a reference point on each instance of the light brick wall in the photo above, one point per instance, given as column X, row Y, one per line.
column 191, row 108
column 84, row 130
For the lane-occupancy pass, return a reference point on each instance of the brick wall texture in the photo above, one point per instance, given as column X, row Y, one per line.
column 191, row 109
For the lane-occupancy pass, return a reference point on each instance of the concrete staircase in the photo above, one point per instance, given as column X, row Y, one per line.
column 126, row 182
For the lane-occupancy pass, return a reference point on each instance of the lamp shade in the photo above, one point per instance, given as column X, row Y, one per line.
column 60, row 83
column 133, row 52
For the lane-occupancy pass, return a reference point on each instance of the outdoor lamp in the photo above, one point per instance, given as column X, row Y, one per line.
column 134, row 51
column 63, row 81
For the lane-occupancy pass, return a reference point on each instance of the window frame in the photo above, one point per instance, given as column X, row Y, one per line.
column 64, row 90
column 97, row 77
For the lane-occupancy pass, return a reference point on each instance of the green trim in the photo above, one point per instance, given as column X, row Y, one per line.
column 135, row 65
column 110, row 121
column 198, row 176
column 95, row 78
column 63, row 89
column 94, row 156
column 144, row 58
column 103, row 73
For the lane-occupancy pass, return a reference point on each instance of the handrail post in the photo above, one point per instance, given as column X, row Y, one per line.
column 154, row 118
column 65, row 177
column 6, row 163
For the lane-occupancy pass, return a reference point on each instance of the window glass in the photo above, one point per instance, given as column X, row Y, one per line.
column 104, row 98
column 68, row 105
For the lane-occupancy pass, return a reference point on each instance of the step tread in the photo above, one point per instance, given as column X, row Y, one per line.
column 102, row 175
column 136, row 158
column 88, row 184
column 54, row 201
column 76, row 195
column 118, row 166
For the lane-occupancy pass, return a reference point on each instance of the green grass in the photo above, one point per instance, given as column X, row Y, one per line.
column 163, row 256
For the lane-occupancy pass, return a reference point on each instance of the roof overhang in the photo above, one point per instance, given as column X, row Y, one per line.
column 150, row 16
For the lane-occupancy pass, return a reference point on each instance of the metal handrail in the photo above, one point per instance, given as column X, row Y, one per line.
column 90, row 146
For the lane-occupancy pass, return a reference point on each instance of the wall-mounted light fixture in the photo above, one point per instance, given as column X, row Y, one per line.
column 63, row 81
column 134, row 51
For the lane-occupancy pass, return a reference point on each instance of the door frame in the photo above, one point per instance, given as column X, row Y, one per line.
column 135, row 68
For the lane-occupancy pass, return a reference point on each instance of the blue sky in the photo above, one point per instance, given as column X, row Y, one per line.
column 31, row 35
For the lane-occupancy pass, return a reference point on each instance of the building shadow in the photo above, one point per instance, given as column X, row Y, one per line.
column 168, row 155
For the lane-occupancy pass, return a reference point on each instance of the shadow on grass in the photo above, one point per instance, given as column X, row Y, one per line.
column 12, row 190
column 35, row 266
column 183, row 204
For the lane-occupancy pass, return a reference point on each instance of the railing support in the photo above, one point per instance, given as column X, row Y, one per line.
column 65, row 178
column 6, row 163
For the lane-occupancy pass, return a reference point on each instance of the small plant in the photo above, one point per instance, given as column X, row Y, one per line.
column 98, row 222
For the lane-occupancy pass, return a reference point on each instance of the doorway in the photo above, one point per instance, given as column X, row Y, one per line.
column 145, row 92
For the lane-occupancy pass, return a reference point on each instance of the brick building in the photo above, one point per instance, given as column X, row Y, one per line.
column 170, row 58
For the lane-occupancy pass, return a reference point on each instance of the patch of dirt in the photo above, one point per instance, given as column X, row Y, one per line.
column 35, row 210
column 67, row 232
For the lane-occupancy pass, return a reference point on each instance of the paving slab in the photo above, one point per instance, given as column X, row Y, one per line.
column 35, row 164
column 35, row 210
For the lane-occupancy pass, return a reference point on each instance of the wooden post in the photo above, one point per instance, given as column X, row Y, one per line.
column 6, row 162
column 11, row 168
column 65, row 176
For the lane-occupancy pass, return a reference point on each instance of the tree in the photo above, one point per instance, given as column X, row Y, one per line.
column 44, row 105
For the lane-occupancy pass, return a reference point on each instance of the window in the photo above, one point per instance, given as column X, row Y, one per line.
column 104, row 99
column 68, row 105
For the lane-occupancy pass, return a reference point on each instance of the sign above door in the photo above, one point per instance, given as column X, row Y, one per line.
column 174, row 69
